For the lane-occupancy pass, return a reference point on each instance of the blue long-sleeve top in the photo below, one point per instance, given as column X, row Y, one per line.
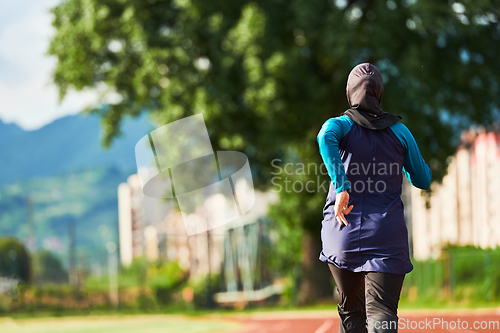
column 369, row 164
column 334, row 130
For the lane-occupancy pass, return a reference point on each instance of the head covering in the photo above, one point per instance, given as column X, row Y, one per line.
column 364, row 90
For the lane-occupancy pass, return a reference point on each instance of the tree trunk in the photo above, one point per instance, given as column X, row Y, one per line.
column 317, row 282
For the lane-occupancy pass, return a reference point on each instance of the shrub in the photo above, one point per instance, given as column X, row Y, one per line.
column 491, row 284
column 146, row 303
column 204, row 289
column 165, row 279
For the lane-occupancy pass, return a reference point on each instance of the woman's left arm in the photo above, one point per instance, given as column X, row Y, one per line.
column 416, row 170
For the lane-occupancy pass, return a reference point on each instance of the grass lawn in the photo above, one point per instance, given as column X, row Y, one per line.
column 118, row 324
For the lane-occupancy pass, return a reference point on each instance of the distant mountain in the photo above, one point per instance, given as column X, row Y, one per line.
column 8, row 131
column 86, row 198
column 68, row 144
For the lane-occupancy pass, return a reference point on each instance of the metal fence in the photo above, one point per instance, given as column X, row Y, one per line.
column 459, row 274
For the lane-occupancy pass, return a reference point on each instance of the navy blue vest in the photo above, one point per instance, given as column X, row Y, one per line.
column 376, row 238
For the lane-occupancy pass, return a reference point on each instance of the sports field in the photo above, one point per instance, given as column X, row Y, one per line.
column 470, row 321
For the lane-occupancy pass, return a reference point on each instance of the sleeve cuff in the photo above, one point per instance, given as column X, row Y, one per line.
column 344, row 187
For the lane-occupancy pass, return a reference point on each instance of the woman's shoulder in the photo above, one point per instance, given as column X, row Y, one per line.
column 338, row 125
column 339, row 120
column 403, row 133
column 400, row 129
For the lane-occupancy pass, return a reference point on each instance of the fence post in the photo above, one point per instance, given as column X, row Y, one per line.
column 452, row 273
column 487, row 261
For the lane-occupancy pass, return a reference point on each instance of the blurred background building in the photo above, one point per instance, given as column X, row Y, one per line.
column 141, row 231
column 154, row 228
column 465, row 208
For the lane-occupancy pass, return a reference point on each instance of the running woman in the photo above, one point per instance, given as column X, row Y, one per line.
column 365, row 241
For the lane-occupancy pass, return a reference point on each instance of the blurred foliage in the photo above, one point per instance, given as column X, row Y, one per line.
column 266, row 74
column 447, row 281
column 462, row 274
column 146, row 303
column 204, row 288
column 165, row 279
column 158, row 281
column 159, row 285
column 491, row 284
column 136, row 273
column 15, row 261
column 48, row 268
column 58, row 291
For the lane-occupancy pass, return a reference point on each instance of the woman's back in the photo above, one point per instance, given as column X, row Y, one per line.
column 376, row 238
column 367, row 151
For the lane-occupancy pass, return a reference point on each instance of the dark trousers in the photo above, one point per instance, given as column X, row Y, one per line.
column 367, row 297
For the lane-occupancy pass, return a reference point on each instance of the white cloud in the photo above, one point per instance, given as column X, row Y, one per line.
column 27, row 95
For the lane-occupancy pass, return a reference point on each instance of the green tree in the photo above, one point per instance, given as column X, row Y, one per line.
column 48, row 267
column 15, row 260
column 266, row 74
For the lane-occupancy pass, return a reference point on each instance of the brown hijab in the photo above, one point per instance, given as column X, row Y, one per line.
column 364, row 90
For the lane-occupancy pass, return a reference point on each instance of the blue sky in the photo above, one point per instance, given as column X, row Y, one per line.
column 27, row 96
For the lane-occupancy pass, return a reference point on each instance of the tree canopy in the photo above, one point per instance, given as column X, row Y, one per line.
column 266, row 74
column 15, row 260
column 49, row 268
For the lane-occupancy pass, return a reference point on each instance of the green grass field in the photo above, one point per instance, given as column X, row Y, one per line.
column 118, row 324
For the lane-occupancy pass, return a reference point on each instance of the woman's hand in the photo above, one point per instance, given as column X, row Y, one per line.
column 341, row 202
